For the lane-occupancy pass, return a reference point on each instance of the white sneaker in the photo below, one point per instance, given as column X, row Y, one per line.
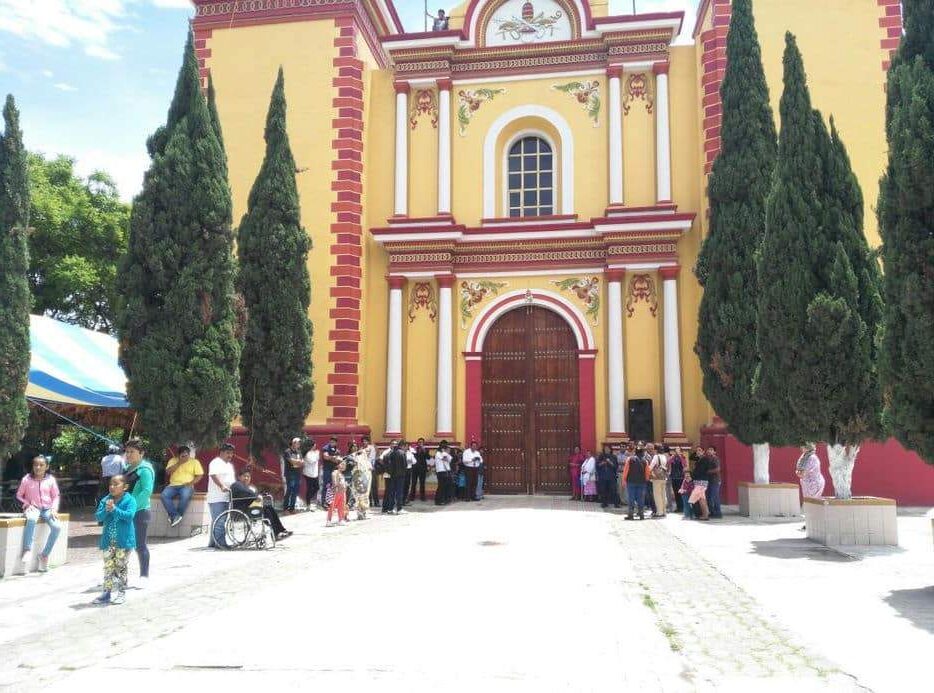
column 43, row 563
column 402, row 511
column 27, row 560
column 177, row 521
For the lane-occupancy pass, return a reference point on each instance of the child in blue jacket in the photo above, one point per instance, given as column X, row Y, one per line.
column 116, row 511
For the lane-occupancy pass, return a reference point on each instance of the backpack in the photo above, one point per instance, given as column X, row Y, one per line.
column 636, row 469
column 660, row 471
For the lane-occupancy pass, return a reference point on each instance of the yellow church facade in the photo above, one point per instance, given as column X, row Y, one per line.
column 505, row 214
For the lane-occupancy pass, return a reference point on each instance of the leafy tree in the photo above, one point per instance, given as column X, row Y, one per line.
column 906, row 222
column 819, row 289
column 176, row 320
column 738, row 186
column 79, row 233
column 275, row 371
column 15, row 301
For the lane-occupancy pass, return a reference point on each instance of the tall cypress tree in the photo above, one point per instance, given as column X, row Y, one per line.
column 275, row 371
column 819, row 289
column 906, row 222
column 212, row 109
column 15, row 299
column 176, row 321
column 738, row 186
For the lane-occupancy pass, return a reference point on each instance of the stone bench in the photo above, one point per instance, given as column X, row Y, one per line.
column 12, row 527
column 196, row 520
column 768, row 500
column 861, row 521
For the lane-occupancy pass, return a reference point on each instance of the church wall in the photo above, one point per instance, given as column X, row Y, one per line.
column 243, row 63
column 423, row 154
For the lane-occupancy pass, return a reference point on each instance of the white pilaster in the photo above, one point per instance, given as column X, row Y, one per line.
column 444, row 148
column 394, row 358
column 672, row 352
column 662, row 134
column 402, row 150
column 444, row 423
column 615, row 117
column 615, row 348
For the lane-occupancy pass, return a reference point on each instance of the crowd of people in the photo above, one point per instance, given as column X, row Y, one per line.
column 659, row 478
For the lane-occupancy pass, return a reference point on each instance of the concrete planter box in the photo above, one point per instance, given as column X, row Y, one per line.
column 768, row 500
column 11, row 544
column 861, row 521
column 197, row 518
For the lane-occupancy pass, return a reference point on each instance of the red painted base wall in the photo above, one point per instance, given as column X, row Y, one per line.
column 882, row 469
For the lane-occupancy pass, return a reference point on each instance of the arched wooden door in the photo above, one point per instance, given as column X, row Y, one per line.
column 530, row 408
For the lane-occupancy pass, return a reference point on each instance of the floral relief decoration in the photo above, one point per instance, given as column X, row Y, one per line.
column 424, row 103
column 587, row 94
column 637, row 87
column 473, row 292
column 423, row 296
column 530, row 26
column 642, row 288
column 587, row 290
column 470, row 101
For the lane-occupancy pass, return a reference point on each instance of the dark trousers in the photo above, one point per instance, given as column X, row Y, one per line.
column 405, row 486
column 443, row 492
column 395, row 493
column 293, row 479
column 636, row 495
column 419, row 472
column 472, row 475
column 713, row 498
column 606, row 492
column 141, row 525
column 274, row 521
column 311, row 490
column 676, row 487
column 374, row 489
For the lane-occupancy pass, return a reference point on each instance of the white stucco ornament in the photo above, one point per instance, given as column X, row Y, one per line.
column 527, row 21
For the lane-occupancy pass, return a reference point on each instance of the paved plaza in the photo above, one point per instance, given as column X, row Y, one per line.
column 511, row 594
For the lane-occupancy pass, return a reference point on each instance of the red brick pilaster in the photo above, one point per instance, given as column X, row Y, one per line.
column 713, row 64
column 346, row 229
column 202, row 52
column 890, row 24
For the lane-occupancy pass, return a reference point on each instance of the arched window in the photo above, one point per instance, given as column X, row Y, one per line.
column 531, row 185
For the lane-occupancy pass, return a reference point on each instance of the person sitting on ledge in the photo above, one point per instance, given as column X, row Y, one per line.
column 184, row 472
column 245, row 494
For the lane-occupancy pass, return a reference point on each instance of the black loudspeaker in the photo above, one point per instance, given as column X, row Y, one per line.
column 641, row 422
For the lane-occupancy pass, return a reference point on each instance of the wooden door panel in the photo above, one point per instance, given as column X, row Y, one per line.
column 506, row 462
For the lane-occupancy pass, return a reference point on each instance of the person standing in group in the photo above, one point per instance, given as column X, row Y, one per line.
column 360, row 479
column 330, row 456
column 395, row 464
column 39, row 495
column 713, row 484
column 221, row 476
column 338, row 495
column 292, row 464
column 676, row 469
column 420, row 470
column 700, row 476
column 410, row 462
column 684, row 493
column 589, row 478
column 621, row 457
column 607, row 472
column 112, row 464
column 310, row 470
column 370, row 450
column 140, row 478
column 575, row 461
column 117, row 513
column 636, row 475
column 443, row 473
column 183, row 472
column 658, row 473
column 472, row 459
column 809, row 474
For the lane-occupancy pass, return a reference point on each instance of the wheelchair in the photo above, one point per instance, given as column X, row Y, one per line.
column 245, row 529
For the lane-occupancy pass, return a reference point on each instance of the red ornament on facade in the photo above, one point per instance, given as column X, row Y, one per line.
column 528, row 12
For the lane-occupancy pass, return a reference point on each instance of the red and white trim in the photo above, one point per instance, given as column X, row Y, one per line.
column 890, row 23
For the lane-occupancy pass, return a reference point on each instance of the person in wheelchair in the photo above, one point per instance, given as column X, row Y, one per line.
column 247, row 499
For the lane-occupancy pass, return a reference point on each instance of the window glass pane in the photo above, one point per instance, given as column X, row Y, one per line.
column 546, row 211
column 516, row 148
column 543, row 146
column 530, row 163
column 531, row 212
column 530, row 197
column 530, row 180
column 515, row 180
column 545, row 197
column 515, row 212
column 515, row 163
column 545, row 162
column 529, row 145
column 545, row 181
column 513, row 199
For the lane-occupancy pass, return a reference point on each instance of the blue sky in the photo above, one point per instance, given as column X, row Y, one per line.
column 93, row 78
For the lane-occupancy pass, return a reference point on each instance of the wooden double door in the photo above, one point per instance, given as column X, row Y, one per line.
column 530, row 402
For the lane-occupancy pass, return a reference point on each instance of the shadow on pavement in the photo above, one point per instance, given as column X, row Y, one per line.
column 916, row 605
column 800, row 548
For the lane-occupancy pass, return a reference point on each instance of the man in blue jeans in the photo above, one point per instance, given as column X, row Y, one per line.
column 636, row 475
column 221, row 476
column 183, row 472
column 713, row 486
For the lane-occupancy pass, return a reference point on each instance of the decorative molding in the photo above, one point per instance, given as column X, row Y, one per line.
column 423, row 296
column 470, row 101
column 472, row 293
column 587, row 94
column 587, row 290
column 642, row 288
column 638, row 87
column 516, row 259
column 424, row 103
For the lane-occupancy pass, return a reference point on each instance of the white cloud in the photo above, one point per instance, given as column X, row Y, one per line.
column 174, row 4
column 126, row 168
column 64, row 86
column 65, row 23
column 47, row 73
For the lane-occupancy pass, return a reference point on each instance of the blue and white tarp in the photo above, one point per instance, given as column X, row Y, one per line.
column 72, row 365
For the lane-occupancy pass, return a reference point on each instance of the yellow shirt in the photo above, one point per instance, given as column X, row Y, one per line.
column 185, row 473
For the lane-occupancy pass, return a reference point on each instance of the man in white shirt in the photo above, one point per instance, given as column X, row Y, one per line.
column 472, row 460
column 410, row 462
column 311, row 471
column 374, row 477
column 442, row 464
column 221, row 476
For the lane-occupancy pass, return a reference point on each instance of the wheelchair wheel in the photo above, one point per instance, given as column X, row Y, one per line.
column 234, row 526
column 269, row 537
